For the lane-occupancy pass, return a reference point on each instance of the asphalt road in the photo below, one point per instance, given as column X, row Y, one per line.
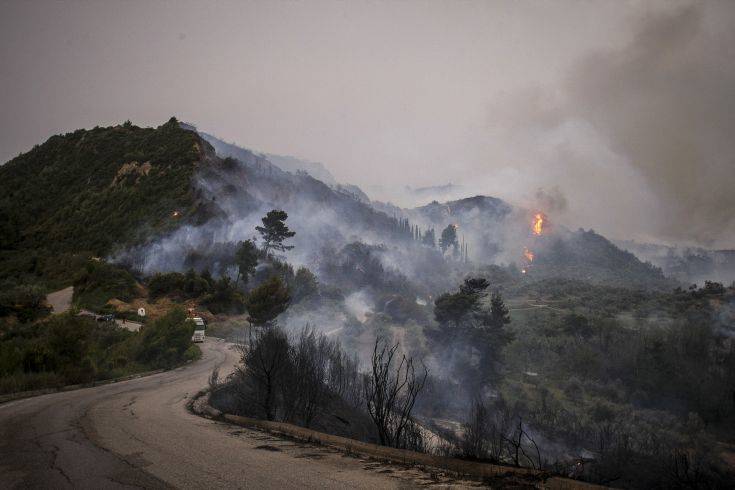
column 139, row 434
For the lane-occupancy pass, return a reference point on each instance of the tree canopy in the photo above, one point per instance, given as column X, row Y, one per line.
column 267, row 301
column 274, row 230
column 246, row 258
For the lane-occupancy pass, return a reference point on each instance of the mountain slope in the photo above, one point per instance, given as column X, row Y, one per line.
column 495, row 231
column 245, row 186
column 477, row 207
column 158, row 197
column 591, row 257
column 293, row 164
column 94, row 190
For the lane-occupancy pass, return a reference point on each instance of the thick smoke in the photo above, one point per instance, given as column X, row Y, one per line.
column 667, row 103
column 551, row 200
column 360, row 304
column 637, row 138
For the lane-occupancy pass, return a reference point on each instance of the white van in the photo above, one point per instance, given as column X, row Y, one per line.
column 198, row 336
column 198, row 329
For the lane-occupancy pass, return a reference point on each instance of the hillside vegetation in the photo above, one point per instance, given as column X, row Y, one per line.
column 68, row 349
column 89, row 191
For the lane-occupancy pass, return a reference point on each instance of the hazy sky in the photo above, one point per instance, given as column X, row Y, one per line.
column 622, row 112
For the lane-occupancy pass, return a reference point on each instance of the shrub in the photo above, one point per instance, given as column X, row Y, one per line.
column 224, row 298
column 162, row 284
column 25, row 302
column 166, row 341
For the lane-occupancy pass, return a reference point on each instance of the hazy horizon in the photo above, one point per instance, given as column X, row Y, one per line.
column 615, row 116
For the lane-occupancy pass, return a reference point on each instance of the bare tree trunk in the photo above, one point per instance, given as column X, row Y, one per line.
column 391, row 390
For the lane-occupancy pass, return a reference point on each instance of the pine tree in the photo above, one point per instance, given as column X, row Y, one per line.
column 267, row 301
column 499, row 313
column 492, row 337
column 246, row 258
column 274, row 231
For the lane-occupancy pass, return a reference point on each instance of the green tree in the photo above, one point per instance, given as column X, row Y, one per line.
column 225, row 298
column 194, row 285
column 305, row 284
column 492, row 337
column 474, row 286
column 453, row 308
column 576, row 325
column 499, row 313
column 464, row 304
column 165, row 283
column 246, row 258
column 267, row 301
column 449, row 238
column 274, row 231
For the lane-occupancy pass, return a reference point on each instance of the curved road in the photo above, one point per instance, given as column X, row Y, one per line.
column 139, row 434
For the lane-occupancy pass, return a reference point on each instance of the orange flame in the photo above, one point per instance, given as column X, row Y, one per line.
column 528, row 254
column 538, row 223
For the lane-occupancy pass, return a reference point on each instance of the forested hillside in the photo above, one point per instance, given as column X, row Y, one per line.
column 92, row 190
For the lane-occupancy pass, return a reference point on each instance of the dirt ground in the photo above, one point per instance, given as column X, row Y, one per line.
column 60, row 301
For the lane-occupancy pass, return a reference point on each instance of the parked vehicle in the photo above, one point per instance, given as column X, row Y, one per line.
column 199, row 326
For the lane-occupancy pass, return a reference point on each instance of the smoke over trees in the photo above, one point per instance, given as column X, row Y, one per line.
column 449, row 238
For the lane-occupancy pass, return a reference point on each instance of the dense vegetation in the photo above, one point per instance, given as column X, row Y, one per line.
column 100, row 282
column 69, row 349
column 622, row 387
column 86, row 192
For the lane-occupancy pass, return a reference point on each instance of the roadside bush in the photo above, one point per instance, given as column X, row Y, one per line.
column 25, row 302
column 166, row 341
column 63, row 349
column 319, row 373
